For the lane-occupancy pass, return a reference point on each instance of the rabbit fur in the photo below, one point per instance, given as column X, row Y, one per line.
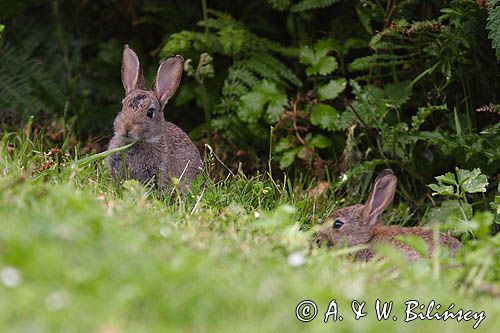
column 362, row 224
column 162, row 149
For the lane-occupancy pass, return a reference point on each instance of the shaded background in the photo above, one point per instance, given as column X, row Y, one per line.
column 401, row 60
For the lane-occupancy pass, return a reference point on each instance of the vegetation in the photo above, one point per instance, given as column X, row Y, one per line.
column 300, row 103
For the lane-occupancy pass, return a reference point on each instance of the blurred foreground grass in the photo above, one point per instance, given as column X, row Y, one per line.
column 81, row 253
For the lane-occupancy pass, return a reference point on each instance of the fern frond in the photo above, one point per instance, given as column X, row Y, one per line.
column 379, row 60
column 305, row 5
column 238, row 72
column 26, row 86
column 275, row 65
column 279, row 4
column 493, row 25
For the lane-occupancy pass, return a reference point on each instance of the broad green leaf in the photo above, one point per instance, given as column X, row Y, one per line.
column 307, row 56
column 324, row 66
column 454, row 213
column 317, row 59
column 472, row 181
column 323, row 46
column 447, row 178
column 440, row 189
column 332, row 89
column 275, row 108
column 397, row 94
column 305, row 153
column 264, row 98
column 325, row 116
column 321, row 141
column 283, row 144
column 288, row 158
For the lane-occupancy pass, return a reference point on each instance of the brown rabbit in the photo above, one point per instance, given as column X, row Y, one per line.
column 362, row 224
column 162, row 150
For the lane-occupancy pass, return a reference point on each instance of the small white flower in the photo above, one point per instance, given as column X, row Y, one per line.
column 296, row 259
column 57, row 300
column 11, row 277
column 164, row 232
column 343, row 177
column 256, row 214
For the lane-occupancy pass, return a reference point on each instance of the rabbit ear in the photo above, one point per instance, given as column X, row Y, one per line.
column 381, row 196
column 132, row 77
column 168, row 79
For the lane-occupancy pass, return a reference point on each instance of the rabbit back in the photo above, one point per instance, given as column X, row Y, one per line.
column 389, row 235
column 179, row 156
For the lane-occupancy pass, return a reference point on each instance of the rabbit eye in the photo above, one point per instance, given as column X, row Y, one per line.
column 150, row 112
column 337, row 224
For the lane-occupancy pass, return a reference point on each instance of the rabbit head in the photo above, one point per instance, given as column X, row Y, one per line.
column 354, row 225
column 141, row 116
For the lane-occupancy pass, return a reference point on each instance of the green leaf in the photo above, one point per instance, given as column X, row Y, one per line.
column 332, row 89
column 453, row 213
column 493, row 25
column 317, row 59
column 288, row 158
column 440, row 189
column 264, row 98
column 472, row 181
column 481, row 222
column 324, row 66
column 307, row 56
column 397, row 94
column 447, row 178
column 423, row 113
column 283, row 144
column 305, row 5
column 276, row 107
column 325, row 116
column 251, row 108
column 281, row 217
column 321, row 141
column 495, row 205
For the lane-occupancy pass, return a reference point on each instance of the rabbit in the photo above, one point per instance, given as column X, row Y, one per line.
column 162, row 150
column 362, row 224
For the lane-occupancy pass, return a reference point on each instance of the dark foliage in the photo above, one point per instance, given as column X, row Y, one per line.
column 329, row 87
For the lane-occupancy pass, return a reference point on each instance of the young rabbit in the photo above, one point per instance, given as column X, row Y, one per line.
column 162, row 150
column 362, row 224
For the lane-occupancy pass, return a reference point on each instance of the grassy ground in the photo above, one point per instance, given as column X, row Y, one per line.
column 81, row 253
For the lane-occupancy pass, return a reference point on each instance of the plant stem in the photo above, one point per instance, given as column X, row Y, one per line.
column 204, row 11
column 206, row 109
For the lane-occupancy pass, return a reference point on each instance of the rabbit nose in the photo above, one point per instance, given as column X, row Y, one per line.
column 127, row 129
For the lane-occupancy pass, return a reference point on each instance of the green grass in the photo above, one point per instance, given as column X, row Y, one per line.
column 80, row 252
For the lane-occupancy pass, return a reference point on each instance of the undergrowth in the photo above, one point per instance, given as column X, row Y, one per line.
column 81, row 252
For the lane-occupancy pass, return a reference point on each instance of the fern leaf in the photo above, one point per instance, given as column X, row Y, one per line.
column 305, row 5
column 493, row 25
